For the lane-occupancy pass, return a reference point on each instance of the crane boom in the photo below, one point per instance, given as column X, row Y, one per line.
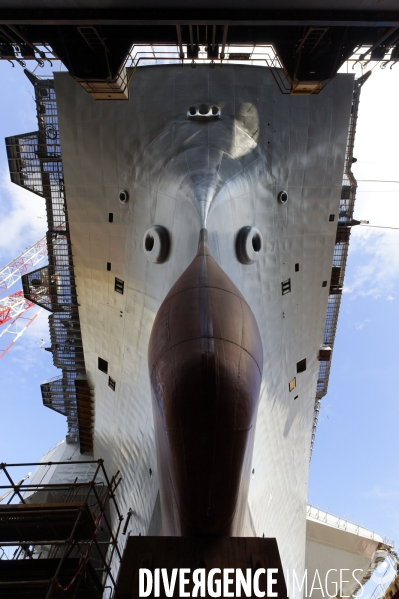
column 12, row 306
column 14, row 330
column 22, row 264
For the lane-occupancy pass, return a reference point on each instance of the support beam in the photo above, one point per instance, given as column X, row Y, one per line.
column 201, row 16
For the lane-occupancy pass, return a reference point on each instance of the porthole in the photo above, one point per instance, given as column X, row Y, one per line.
column 149, row 242
column 123, row 196
column 282, row 197
column 156, row 244
column 249, row 245
column 256, row 243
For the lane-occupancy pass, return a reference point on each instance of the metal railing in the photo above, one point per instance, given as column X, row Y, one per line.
column 385, row 581
column 389, row 588
column 13, row 49
column 35, row 163
column 347, row 525
column 346, row 208
column 255, row 55
column 59, row 394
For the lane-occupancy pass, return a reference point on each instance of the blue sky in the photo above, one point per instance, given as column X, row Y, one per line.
column 353, row 468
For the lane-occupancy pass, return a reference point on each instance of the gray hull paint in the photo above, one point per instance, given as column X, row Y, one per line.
column 229, row 172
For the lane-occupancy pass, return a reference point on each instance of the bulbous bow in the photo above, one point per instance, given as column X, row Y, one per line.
column 205, row 363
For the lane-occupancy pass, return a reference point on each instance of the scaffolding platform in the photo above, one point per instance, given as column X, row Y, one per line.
column 32, row 578
column 54, row 521
column 60, row 539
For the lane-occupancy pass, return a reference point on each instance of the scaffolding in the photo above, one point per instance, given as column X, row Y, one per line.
column 340, row 256
column 59, row 394
column 35, row 163
column 58, row 541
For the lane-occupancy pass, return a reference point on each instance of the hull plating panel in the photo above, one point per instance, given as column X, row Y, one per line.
column 225, row 173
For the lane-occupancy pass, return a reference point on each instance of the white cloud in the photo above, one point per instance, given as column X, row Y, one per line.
column 40, row 329
column 378, row 493
column 20, row 226
column 360, row 325
column 26, row 352
column 376, row 255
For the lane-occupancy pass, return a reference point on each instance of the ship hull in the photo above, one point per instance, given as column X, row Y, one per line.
column 229, row 172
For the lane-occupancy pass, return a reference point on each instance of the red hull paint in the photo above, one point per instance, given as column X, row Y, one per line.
column 205, row 362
